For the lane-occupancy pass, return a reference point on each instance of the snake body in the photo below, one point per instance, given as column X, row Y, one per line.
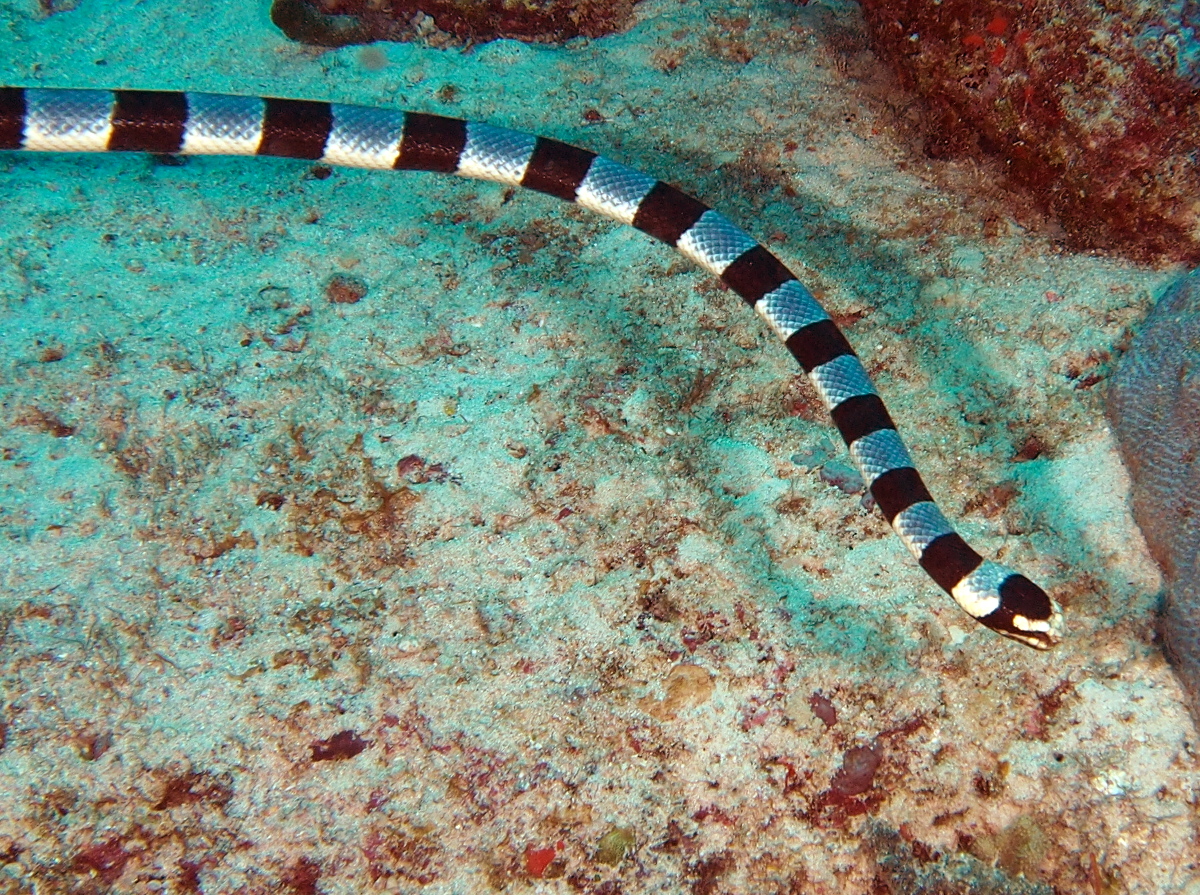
column 209, row 124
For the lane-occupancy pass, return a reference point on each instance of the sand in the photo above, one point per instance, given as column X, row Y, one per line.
column 534, row 569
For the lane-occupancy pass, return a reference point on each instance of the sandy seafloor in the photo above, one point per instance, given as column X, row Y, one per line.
column 595, row 611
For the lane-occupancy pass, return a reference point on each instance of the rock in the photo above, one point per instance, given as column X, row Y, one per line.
column 337, row 23
column 1091, row 105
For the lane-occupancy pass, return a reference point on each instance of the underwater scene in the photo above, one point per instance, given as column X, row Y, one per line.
column 390, row 531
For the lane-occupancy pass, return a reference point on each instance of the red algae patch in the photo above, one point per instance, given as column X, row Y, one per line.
column 538, row 860
column 105, row 861
column 823, row 708
column 344, row 290
column 339, row 747
column 857, row 772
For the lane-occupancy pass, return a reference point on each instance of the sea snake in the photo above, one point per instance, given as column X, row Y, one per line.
column 355, row 136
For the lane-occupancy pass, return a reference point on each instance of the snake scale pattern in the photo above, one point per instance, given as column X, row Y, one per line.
column 209, row 124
